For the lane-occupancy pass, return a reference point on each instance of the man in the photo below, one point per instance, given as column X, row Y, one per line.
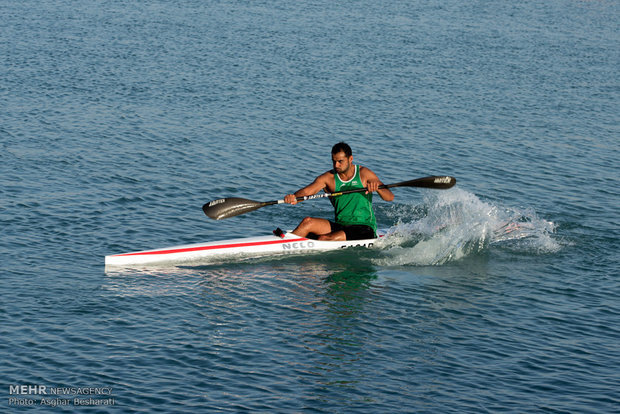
column 354, row 217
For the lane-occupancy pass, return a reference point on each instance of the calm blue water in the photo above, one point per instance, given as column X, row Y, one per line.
column 119, row 119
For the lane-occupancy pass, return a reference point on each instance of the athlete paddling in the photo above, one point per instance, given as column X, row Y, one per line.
column 354, row 216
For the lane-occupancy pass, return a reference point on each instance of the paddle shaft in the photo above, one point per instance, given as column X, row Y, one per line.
column 230, row 207
column 437, row 182
column 335, row 194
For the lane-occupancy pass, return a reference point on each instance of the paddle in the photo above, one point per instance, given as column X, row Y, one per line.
column 230, row 207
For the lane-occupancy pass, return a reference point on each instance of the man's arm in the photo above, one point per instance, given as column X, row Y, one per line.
column 320, row 183
column 373, row 183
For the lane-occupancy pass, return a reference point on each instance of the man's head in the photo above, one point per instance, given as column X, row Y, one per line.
column 342, row 157
column 344, row 147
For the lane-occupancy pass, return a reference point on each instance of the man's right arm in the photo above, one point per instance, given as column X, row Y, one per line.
column 317, row 185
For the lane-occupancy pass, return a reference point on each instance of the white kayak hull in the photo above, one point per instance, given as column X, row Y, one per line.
column 252, row 246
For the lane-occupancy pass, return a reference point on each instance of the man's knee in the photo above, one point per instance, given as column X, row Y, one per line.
column 307, row 221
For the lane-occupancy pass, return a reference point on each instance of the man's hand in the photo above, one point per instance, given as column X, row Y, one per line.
column 290, row 199
column 372, row 186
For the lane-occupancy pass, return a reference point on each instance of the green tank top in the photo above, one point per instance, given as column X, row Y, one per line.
column 355, row 208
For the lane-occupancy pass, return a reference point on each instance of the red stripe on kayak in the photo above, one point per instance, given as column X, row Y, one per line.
column 219, row 246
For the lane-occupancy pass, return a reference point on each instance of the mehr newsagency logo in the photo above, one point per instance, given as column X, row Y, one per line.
column 31, row 395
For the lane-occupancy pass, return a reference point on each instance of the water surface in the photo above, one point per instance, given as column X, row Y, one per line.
column 121, row 118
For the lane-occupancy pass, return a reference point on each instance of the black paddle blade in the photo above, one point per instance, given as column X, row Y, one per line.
column 438, row 182
column 230, row 207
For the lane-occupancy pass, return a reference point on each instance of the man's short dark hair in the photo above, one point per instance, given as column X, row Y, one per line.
column 342, row 146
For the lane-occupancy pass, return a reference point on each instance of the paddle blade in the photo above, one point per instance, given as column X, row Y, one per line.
column 230, row 207
column 438, row 182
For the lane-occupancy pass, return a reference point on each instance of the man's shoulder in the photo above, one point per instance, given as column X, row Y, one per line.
column 327, row 180
column 327, row 175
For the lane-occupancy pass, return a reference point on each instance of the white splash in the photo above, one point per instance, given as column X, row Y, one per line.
column 453, row 224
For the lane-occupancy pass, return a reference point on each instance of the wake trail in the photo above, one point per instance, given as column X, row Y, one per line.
column 454, row 224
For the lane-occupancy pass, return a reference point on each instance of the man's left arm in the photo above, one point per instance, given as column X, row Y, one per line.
column 373, row 183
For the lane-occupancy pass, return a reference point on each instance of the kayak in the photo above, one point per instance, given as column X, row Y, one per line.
column 286, row 243
column 279, row 243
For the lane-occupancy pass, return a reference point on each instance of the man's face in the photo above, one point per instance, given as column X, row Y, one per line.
column 341, row 162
